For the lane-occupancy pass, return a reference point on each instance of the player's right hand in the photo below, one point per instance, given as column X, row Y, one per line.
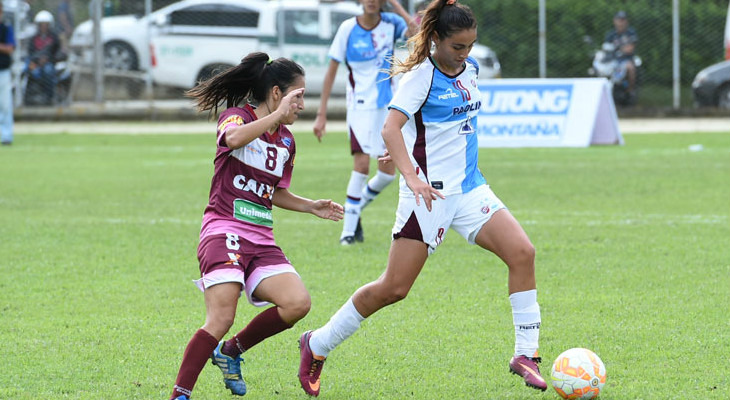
column 424, row 190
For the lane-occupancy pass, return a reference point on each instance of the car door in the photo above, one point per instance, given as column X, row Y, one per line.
column 202, row 39
column 305, row 37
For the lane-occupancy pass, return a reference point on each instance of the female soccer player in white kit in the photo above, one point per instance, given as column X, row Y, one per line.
column 430, row 136
column 365, row 44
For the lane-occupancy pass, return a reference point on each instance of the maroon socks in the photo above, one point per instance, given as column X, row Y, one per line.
column 197, row 353
column 266, row 324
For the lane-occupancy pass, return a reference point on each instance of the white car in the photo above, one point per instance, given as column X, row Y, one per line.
column 191, row 39
column 125, row 38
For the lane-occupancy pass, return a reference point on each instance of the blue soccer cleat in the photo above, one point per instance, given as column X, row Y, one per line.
column 181, row 397
column 231, row 368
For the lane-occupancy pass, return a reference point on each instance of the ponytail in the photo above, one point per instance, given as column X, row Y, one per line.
column 249, row 81
column 441, row 17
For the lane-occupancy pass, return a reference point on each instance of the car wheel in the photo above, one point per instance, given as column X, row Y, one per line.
column 210, row 70
column 120, row 56
column 723, row 100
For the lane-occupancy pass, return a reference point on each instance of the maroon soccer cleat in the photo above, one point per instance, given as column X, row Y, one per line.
column 309, row 367
column 527, row 368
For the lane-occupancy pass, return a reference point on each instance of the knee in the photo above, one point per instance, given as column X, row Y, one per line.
column 524, row 256
column 296, row 307
column 219, row 323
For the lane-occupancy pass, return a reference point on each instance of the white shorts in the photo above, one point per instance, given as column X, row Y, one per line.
column 250, row 284
column 365, row 130
column 464, row 213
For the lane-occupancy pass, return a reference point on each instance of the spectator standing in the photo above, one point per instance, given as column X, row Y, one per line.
column 7, row 47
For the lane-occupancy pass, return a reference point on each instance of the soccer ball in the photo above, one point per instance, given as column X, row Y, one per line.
column 578, row 374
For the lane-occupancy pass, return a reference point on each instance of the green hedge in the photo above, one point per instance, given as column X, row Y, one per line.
column 510, row 27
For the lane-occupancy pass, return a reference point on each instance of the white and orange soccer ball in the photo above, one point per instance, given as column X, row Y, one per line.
column 578, row 374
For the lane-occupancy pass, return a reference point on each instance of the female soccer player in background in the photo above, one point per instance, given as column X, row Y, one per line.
column 430, row 136
column 237, row 252
column 365, row 44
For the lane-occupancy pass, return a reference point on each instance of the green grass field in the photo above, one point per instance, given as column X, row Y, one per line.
column 98, row 237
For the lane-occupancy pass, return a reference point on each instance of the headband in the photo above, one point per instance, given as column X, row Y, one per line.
column 270, row 61
column 450, row 2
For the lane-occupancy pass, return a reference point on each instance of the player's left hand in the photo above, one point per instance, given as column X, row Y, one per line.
column 385, row 158
column 290, row 104
column 328, row 209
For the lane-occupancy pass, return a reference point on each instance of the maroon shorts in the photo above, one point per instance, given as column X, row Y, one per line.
column 231, row 258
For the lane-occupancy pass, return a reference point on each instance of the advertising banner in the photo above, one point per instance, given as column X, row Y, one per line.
column 547, row 113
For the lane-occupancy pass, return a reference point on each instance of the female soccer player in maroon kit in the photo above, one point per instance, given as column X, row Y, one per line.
column 237, row 252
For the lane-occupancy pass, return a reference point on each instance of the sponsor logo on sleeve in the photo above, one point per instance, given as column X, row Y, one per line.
column 233, row 119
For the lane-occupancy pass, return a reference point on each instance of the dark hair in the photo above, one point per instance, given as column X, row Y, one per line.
column 248, row 81
column 442, row 19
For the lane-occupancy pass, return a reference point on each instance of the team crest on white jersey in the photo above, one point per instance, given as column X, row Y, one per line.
column 465, row 95
column 466, row 127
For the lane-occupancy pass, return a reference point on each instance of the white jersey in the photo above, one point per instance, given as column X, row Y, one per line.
column 366, row 53
column 440, row 134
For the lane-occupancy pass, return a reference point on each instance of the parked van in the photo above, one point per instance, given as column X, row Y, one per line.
column 191, row 39
column 186, row 49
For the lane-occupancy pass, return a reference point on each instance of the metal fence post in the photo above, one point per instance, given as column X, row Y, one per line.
column 98, row 52
column 148, row 74
column 675, row 55
column 542, row 41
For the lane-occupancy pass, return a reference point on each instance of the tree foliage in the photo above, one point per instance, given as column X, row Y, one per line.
column 575, row 29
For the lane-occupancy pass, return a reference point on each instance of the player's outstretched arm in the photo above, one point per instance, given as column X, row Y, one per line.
column 323, row 208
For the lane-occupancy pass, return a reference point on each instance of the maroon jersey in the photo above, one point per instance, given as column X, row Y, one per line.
column 245, row 179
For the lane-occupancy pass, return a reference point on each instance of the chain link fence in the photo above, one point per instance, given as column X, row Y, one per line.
column 153, row 50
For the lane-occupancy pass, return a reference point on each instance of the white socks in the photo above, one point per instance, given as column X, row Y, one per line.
column 375, row 185
column 526, row 317
column 360, row 192
column 352, row 204
column 340, row 327
column 525, row 314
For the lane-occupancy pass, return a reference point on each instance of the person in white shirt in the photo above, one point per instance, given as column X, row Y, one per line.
column 365, row 44
column 430, row 136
